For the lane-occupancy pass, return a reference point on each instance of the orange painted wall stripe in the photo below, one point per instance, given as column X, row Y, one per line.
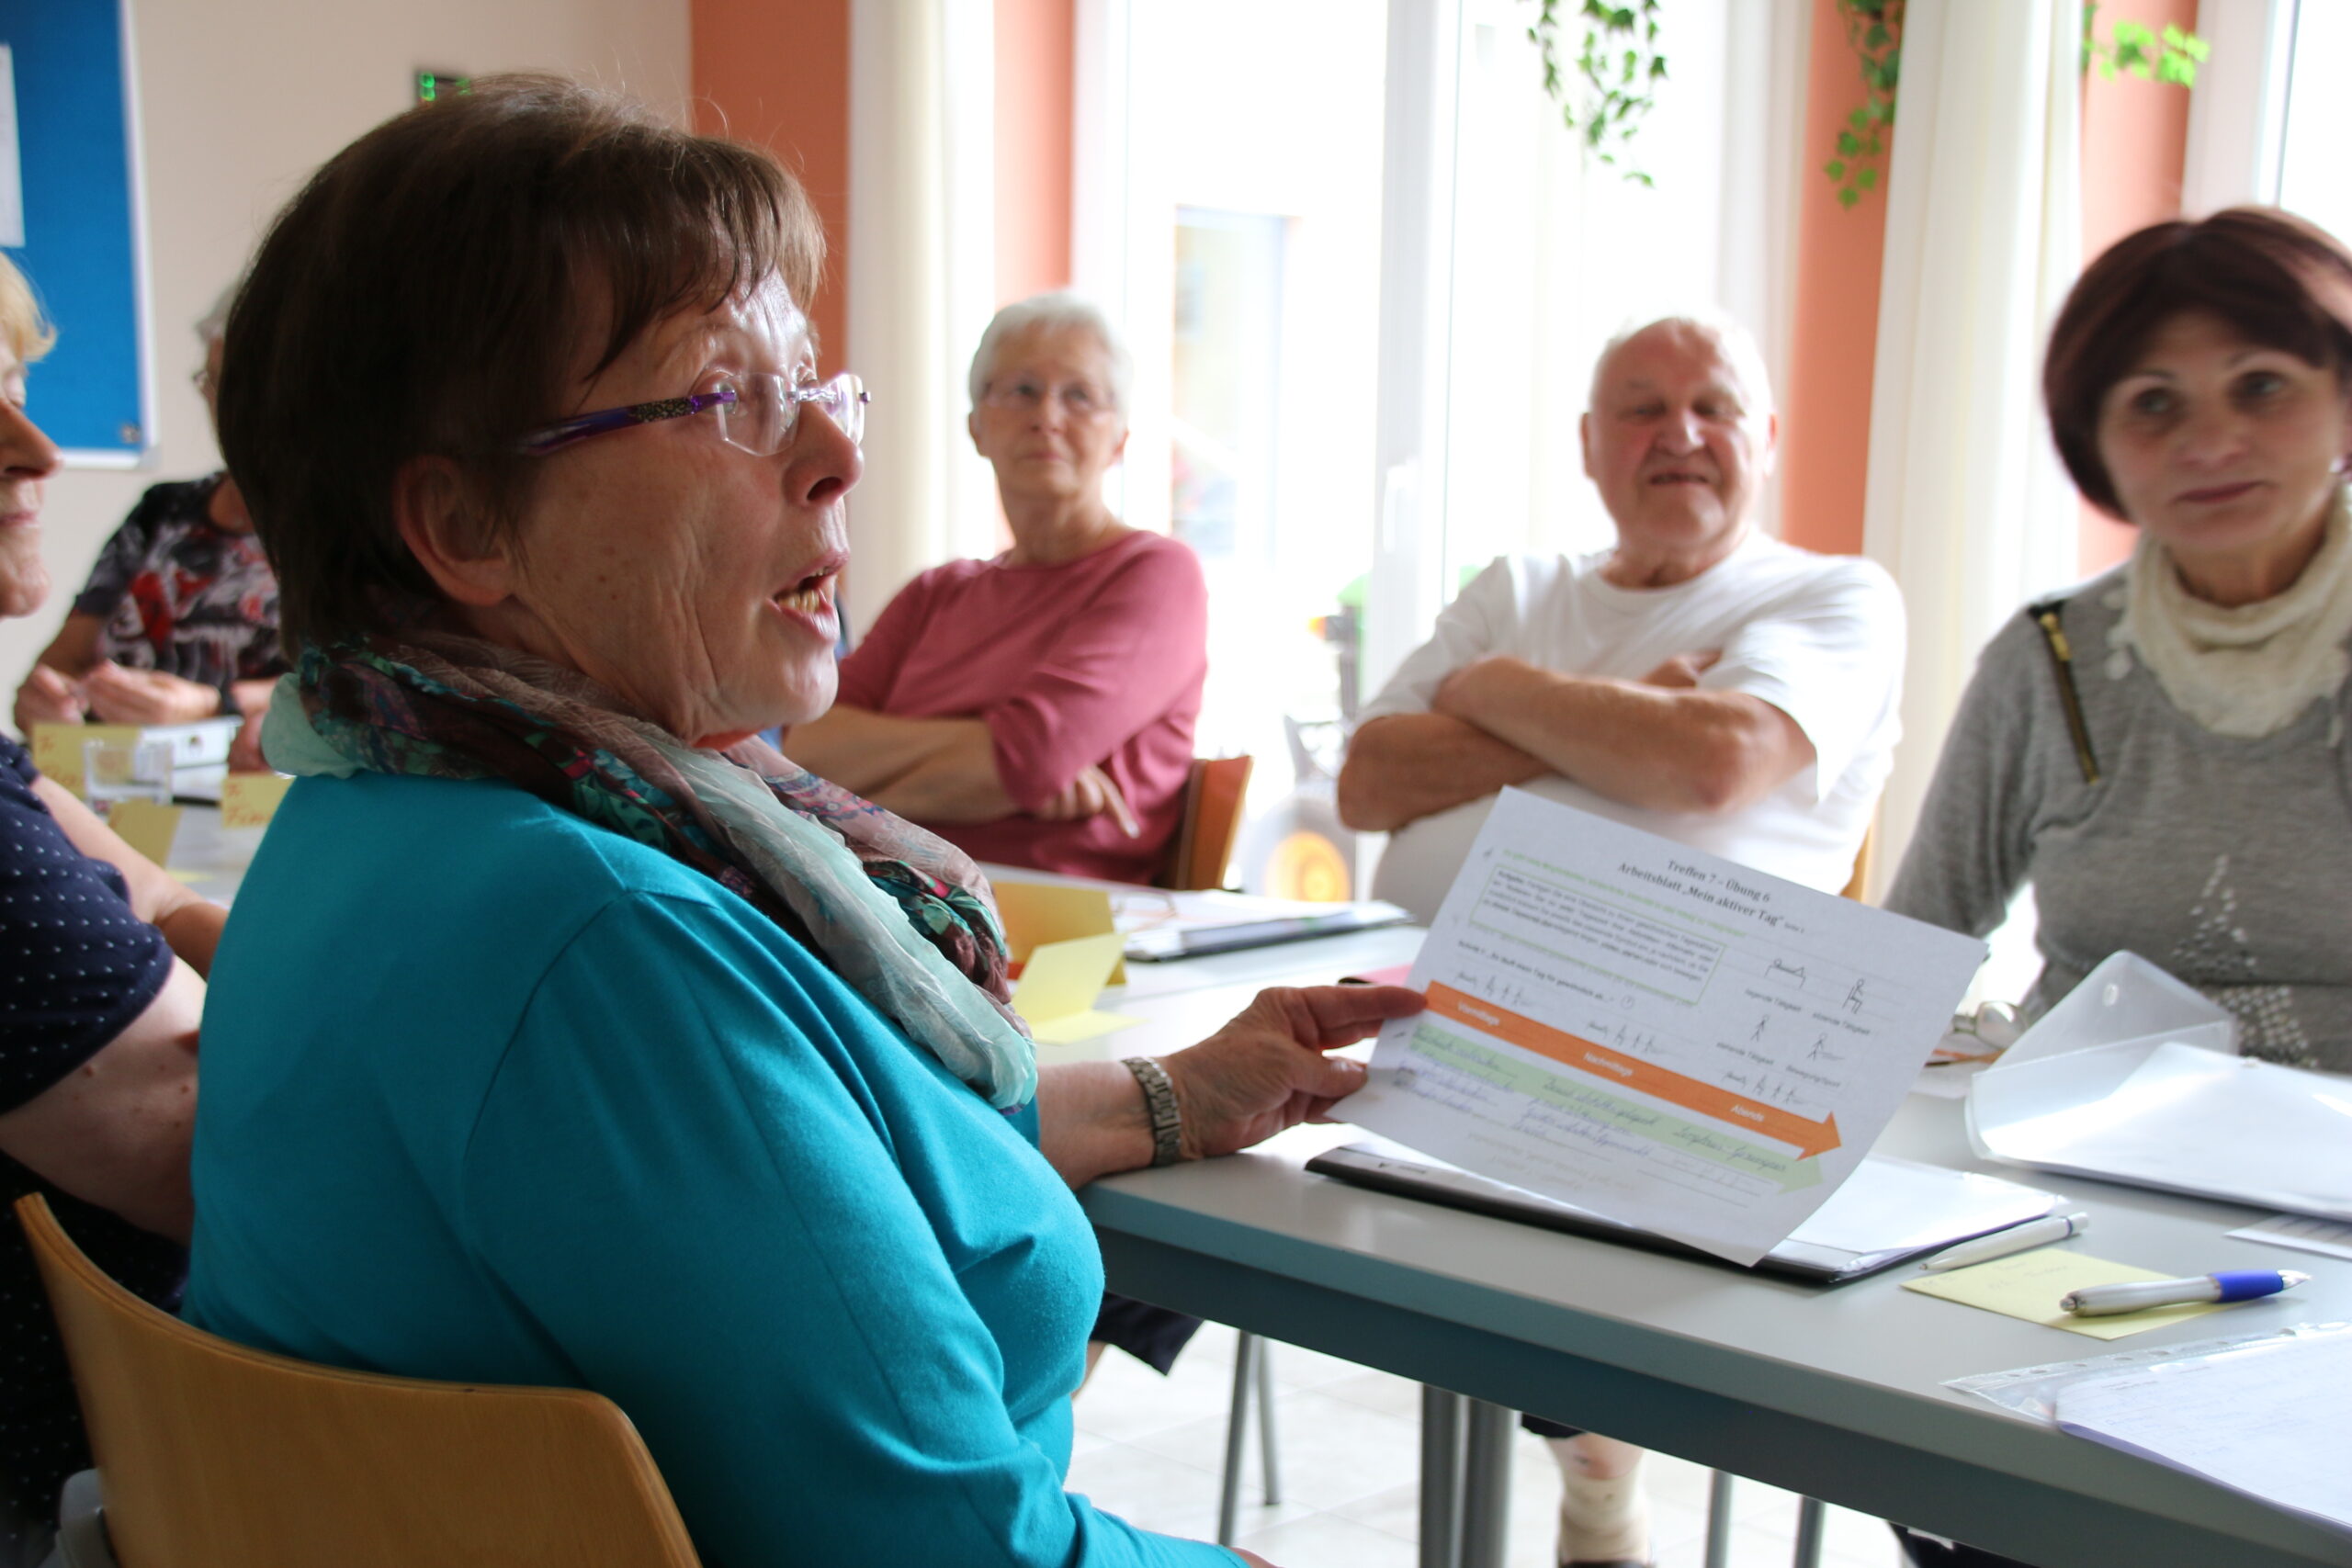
column 1809, row 1138
column 1036, row 43
column 1833, row 348
column 777, row 77
column 2135, row 146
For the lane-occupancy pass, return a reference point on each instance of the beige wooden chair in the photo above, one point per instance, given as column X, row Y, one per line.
column 211, row 1455
column 1858, row 886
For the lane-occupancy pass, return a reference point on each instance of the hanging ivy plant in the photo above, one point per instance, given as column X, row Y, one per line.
column 1605, row 92
column 2170, row 55
column 1874, row 31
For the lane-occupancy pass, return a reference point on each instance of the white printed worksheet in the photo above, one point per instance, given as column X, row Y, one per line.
column 1655, row 1033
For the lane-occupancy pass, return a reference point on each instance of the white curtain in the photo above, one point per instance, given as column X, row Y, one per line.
column 1967, row 506
column 921, row 277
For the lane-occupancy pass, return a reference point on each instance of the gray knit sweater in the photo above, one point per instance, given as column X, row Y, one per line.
column 2227, row 862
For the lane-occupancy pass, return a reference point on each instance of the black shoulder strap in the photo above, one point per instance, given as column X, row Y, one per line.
column 2062, row 661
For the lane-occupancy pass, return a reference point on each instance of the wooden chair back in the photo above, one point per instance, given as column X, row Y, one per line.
column 1858, row 886
column 1213, row 793
column 215, row 1456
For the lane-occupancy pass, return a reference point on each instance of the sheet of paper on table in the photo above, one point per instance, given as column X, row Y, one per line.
column 2327, row 1237
column 2265, row 1420
column 1656, row 1033
column 2029, row 1285
column 1059, row 985
column 1035, row 912
column 250, row 800
column 146, row 826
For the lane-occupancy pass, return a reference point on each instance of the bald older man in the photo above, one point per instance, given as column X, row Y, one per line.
column 1699, row 680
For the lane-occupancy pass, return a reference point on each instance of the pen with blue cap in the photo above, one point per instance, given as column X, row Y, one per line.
column 2139, row 1295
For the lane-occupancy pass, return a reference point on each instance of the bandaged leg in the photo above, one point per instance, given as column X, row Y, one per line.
column 1604, row 1512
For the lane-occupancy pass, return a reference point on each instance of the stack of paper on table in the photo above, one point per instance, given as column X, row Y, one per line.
column 1162, row 924
column 2327, row 1238
column 1197, row 924
column 2266, row 1420
column 1664, row 1037
column 2133, row 1078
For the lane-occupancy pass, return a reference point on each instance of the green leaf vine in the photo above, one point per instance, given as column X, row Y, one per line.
column 1874, row 31
column 1605, row 92
column 2170, row 55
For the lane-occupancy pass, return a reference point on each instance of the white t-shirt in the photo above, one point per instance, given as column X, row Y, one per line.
column 1820, row 637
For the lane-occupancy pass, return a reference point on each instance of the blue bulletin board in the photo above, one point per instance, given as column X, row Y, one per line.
column 69, row 217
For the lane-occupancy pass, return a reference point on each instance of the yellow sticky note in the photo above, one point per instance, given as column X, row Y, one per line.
column 1035, row 912
column 146, row 827
column 1059, row 985
column 250, row 800
column 57, row 748
column 2030, row 1284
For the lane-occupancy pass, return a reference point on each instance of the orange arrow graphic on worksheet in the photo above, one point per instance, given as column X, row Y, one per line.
column 1809, row 1138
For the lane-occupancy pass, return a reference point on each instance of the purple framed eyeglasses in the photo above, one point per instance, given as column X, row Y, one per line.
column 757, row 414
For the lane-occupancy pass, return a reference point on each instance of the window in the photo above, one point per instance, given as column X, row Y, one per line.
column 1365, row 271
column 1237, row 238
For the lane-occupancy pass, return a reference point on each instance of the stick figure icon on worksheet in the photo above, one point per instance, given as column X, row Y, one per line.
column 1761, row 1022
column 1854, row 1000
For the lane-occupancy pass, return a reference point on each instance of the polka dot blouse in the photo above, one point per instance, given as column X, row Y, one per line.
column 76, row 967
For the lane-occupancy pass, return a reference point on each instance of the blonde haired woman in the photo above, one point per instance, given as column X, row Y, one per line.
column 101, row 991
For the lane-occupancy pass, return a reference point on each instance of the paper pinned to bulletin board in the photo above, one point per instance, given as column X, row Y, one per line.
column 1039, row 912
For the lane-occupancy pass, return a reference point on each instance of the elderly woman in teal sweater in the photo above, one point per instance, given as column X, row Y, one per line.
column 562, row 1034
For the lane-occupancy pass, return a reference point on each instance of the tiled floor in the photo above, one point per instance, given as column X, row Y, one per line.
column 1151, row 1450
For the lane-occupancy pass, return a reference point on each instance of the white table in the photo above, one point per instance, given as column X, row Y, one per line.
column 1834, row 1393
column 207, row 857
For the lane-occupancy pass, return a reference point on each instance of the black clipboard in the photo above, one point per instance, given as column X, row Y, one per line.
column 1819, row 1265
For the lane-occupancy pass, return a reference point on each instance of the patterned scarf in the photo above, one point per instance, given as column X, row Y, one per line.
column 900, row 913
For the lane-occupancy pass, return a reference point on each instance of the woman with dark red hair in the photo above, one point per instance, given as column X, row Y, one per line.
column 2161, row 752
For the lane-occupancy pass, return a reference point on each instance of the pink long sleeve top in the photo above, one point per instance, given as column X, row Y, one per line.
column 1098, row 661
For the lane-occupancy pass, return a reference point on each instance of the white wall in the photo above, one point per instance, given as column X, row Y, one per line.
column 238, row 100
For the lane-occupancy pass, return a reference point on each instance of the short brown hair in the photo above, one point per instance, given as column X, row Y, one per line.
column 428, row 292
column 2281, row 281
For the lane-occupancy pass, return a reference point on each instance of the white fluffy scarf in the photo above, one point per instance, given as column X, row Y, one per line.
column 2249, row 670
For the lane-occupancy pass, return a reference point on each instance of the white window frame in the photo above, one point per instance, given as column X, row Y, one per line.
column 2237, row 114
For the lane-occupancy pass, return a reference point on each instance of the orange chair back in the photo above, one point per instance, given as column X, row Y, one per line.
column 1213, row 799
column 1858, row 886
column 215, row 1456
